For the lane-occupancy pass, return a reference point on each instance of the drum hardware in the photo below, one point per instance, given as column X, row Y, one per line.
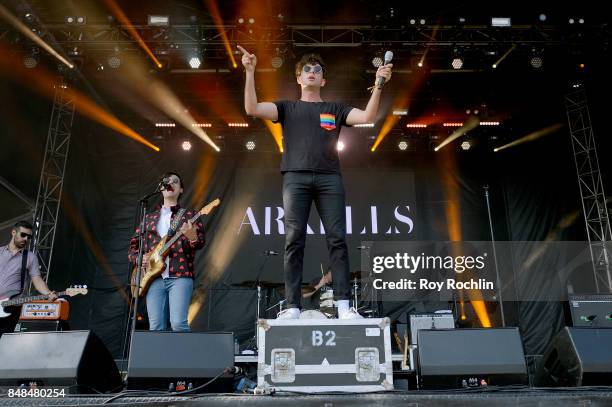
column 312, row 314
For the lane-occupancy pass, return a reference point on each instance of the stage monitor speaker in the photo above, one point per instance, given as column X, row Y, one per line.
column 591, row 311
column 180, row 360
column 578, row 357
column 75, row 360
column 461, row 358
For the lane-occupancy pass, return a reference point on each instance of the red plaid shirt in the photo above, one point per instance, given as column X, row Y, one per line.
column 182, row 252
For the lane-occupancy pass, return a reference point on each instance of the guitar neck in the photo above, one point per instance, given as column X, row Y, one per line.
column 23, row 300
column 178, row 235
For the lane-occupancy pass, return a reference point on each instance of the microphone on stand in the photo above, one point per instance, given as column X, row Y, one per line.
column 165, row 185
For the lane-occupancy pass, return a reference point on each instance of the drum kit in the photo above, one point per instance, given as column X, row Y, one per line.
column 326, row 304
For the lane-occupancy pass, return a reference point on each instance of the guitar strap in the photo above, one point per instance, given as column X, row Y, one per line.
column 24, row 262
column 176, row 222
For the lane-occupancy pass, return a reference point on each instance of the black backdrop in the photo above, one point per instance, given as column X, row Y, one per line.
column 108, row 174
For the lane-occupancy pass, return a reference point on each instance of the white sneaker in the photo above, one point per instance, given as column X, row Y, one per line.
column 351, row 313
column 289, row 313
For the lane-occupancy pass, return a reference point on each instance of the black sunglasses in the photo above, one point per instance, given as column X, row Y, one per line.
column 314, row 69
column 23, row 234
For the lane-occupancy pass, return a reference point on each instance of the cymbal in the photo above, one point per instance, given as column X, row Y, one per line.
column 261, row 283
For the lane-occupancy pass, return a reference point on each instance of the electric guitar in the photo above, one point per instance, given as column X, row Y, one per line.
column 157, row 256
column 7, row 302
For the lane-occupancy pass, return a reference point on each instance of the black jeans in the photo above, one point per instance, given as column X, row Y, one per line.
column 300, row 189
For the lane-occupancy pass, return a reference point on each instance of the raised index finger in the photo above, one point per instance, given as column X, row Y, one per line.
column 244, row 51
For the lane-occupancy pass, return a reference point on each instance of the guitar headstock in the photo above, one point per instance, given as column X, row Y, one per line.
column 76, row 290
column 209, row 207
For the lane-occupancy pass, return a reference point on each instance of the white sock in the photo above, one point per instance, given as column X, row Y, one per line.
column 343, row 306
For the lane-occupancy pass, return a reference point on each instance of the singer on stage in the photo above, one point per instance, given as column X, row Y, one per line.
column 311, row 170
column 169, row 296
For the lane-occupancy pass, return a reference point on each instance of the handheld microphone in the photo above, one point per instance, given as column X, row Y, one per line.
column 270, row 253
column 380, row 81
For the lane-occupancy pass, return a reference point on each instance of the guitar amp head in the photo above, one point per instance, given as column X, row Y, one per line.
column 44, row 310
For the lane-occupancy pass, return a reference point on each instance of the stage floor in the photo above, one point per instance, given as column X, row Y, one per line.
column 592, row 397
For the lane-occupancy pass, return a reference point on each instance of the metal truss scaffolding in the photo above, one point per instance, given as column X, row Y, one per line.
column 52, row 176
column 594, row 204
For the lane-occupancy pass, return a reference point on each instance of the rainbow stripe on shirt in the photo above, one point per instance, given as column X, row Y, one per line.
column 328, row 121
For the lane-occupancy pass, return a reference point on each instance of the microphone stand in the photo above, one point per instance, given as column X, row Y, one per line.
column 142, row 211
column 267, row 255
column 499, row 293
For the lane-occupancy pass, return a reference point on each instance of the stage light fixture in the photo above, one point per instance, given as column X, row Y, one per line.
column 400, row 112
column 276, row 62
column 377, row 62
column 207, row 125
column 186, row 145
column 114, row 61
column 340, row 146
column 402, row 145
column 31, row 60
column 233, row 124
column 250, row 145
column 536, row 62
column 75, row 20
column 501, row 22
column 466, row 145
column 195, row 62
column 240, row 20
column 457, row 63
column 571, row 21
column 542, row 17
column 364, row 125
column 416, row 125
column 165, row 124
column 158, row 20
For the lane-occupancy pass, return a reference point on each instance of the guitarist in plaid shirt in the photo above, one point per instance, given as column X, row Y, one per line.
column 169, row 296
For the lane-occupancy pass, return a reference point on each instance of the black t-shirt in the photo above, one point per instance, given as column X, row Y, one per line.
column 310, row 134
